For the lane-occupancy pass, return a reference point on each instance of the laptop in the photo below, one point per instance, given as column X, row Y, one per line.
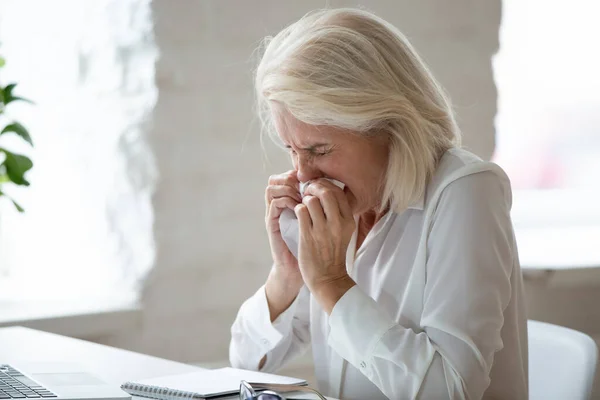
column 54, row 381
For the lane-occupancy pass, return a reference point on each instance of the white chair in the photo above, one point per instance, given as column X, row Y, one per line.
column 562, row 362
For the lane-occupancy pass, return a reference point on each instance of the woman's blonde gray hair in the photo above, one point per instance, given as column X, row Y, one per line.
column 350, row 69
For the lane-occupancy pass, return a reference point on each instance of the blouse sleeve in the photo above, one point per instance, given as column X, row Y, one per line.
column 253, row 335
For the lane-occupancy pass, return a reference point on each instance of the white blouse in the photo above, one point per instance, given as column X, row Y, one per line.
column 438, row 309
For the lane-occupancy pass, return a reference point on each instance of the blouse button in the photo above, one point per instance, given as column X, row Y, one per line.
column 363, row 364
column 265, row 342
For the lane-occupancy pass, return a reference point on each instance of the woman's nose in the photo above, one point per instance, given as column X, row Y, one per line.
column 307, row 172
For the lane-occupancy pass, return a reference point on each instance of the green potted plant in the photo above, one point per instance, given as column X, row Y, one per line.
column 13, row 166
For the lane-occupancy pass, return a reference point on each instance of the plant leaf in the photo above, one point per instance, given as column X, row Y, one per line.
column 7, row 92
column 2, row 62
column 9, row 97
column 17, row 206
column 16, row 166
column 19, row 130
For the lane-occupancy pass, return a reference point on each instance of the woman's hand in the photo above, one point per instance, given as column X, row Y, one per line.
column 285, row 280
column 326, row 225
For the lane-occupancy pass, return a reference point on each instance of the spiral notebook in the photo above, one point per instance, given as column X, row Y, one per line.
column 204, row 384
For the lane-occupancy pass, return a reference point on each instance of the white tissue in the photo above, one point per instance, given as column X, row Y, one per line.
column 288, row 223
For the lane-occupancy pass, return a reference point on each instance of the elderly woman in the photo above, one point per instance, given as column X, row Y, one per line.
column 407, row 281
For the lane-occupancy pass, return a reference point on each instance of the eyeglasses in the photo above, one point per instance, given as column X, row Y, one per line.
column 247, row 391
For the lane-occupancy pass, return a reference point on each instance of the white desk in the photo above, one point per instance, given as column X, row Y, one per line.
column 115, row 366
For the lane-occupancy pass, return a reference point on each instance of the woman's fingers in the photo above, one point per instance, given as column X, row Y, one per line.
column 344, row 205
column 330, row 202
column 289, row 178
column 281, row 185
column 333, row 199
column 277, row 191
column 278, row 205
column 315, row 210
column 303, row 215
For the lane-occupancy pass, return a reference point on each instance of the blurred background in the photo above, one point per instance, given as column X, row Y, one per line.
column 144, row 222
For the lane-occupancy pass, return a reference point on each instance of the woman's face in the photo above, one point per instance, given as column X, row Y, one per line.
column 330, row 152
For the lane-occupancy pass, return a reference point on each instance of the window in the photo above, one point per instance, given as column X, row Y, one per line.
column 87, row 228
column 548, row 126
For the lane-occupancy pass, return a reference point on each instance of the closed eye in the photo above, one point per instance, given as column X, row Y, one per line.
column 312, row 151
